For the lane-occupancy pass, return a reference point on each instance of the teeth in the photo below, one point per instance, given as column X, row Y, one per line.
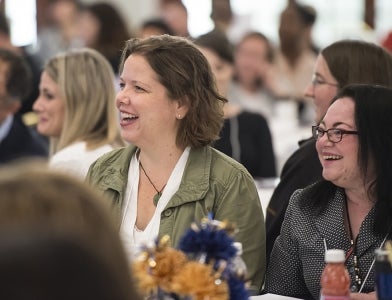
column 332, row 157
column 127, row 116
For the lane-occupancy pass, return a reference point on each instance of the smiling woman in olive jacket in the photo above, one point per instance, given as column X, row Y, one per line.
column 169, row 176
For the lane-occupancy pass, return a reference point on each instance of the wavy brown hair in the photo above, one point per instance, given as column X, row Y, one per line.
column 185, row 73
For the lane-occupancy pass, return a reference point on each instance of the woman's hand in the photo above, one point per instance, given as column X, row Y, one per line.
column 358, row 296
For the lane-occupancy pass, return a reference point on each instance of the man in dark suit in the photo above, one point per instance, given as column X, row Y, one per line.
column 16, row 139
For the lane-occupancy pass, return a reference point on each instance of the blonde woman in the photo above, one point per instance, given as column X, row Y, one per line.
column 76, row 109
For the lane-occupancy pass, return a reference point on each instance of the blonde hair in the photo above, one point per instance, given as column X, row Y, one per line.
column 86, row 84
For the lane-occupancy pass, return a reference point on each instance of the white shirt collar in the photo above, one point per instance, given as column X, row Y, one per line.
column 5, row 127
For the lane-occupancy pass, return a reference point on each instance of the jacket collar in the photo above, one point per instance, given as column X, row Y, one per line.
column 195, row 180
column 194, row 183
column 116, row 174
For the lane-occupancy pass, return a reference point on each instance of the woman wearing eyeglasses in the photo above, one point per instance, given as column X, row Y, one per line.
column 341, row 63
column 351, row 208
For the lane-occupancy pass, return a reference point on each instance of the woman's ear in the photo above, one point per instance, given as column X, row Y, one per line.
column 182, row 108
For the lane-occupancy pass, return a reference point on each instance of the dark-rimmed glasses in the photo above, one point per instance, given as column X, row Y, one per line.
column 334, row 134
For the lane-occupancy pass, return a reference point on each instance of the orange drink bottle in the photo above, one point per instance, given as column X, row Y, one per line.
column 335, row 281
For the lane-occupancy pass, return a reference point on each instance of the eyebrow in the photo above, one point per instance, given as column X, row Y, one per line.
column 337, row 124
column 135, row 82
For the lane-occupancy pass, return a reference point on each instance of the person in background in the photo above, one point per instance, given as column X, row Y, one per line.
column 245, row 136
column 33, row 62
column 102, row 28
column 155, row 26
column 17, row 141
column 175, row 14
column 169, row 177
column 295, row 58
column 76, row 109
column 350, row 208
column 58, row 240
column 233, row 25
column 61, row 32
column 341, row 63
column 253, row 58
column 222, row 15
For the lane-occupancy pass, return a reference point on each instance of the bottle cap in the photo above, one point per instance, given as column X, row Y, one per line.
column 334, row 256
column 238, row 246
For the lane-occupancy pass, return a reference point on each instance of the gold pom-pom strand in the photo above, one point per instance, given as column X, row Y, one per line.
column 164, row 242
column 169, row 262
column 155, row 267
column 199, row 281
column 152, row 263
column 195, row 227
column 229, row 227
column 146, row 283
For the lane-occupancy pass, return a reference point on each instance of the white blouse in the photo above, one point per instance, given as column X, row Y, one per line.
column 132, row 237
column 75, row 159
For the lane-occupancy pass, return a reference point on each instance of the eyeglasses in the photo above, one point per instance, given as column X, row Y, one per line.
column 334, row 134
column 317, row 81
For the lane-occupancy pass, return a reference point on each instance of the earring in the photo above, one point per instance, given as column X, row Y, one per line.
column 179, row 117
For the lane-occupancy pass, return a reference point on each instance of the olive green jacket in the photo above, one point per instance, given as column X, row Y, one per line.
column 212, row 182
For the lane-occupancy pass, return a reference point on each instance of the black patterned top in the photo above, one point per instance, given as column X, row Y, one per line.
column 297, row 258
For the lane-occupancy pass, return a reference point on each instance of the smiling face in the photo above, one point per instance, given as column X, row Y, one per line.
column 148, row 115
column 340, row 160
column 323, row 88
column 50, row 107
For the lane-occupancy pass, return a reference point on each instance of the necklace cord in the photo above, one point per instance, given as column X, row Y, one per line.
column 353, row 246
column 352, row 250
column 159, row 192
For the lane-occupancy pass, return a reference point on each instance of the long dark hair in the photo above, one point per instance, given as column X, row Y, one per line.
column 372, row 115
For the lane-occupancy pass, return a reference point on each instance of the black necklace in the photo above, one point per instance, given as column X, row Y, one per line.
column 159, row 192
column 353, row 251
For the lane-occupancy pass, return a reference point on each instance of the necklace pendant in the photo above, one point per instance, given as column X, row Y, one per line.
column 156, row 198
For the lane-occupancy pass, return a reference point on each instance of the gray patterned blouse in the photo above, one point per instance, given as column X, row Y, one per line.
column 297, row 258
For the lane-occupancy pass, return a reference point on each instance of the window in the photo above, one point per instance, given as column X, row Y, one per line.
column 336, row 19
column 22, row 19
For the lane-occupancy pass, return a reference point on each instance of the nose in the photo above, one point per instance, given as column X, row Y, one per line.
column 37, row 106
column 309, row 90
column 122, row 98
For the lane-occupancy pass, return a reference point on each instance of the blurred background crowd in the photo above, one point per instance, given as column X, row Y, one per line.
column 270, row 48
column 274, row 46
